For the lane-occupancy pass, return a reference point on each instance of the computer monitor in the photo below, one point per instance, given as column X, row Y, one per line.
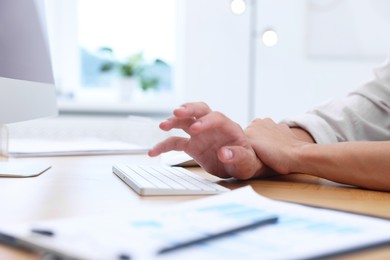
column 27, row 89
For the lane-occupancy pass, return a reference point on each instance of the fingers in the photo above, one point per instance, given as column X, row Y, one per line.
column 171, row 144
column 178, row 123
column 185, row 116
column 215, row 120
column 197, row 117
column 195, row 110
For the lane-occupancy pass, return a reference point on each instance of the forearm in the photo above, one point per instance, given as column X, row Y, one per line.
column 364, row 164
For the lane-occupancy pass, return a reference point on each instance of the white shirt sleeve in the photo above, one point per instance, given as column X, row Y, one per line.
column 363, row 115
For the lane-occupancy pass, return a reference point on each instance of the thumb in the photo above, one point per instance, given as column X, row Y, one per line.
column 241, row 162
column 232, row 154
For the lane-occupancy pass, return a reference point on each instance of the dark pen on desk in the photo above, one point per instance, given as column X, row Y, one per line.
column 49, row 233
column 196, row 241
column 44, row 232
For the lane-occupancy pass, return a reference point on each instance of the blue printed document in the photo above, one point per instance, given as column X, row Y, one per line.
column 300, row 232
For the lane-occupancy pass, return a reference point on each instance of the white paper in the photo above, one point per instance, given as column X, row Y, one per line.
column 301, row 232
column 49, row 147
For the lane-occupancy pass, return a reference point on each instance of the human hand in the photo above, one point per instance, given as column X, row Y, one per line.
column 277, row 145
column 215, row 142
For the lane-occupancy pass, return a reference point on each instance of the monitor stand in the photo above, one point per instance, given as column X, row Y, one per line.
column 21, row 169
column 15, row 169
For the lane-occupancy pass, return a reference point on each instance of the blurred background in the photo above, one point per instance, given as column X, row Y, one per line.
column 245, row 58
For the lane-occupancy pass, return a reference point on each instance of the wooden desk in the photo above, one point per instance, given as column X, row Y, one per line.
column 85, row 185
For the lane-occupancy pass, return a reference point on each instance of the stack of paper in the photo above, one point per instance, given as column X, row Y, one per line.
column 300, row 233
column 82, row 135
column 86, row 146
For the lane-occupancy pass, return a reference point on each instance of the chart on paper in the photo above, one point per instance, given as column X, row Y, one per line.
column 294, row 236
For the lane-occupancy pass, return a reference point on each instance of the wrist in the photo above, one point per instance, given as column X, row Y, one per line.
column 302, row 134
column 300, row 152
column 300, row 157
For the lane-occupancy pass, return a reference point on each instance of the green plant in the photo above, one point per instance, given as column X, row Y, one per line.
column 133, row 66
column 149, row 83
column 128, row 67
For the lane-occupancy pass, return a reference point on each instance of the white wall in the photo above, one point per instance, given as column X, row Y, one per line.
column 216, row 57
column 295, row 75
column 289, row 79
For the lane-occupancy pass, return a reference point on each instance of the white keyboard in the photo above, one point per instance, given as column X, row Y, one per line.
column 165, row 180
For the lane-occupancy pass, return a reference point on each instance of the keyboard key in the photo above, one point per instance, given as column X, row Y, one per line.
column 165, row 180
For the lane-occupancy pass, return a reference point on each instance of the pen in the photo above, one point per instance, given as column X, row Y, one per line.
column 258, row 223
column 44, row 232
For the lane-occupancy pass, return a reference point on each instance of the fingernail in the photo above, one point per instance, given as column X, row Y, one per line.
column 228, row 154
column 181, row 108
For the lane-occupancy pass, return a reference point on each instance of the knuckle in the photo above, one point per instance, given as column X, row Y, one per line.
column 204, row 106
column 256, row 122
column 268, row 120
column 218, row 117
column 283, row 126
column 218, row 114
